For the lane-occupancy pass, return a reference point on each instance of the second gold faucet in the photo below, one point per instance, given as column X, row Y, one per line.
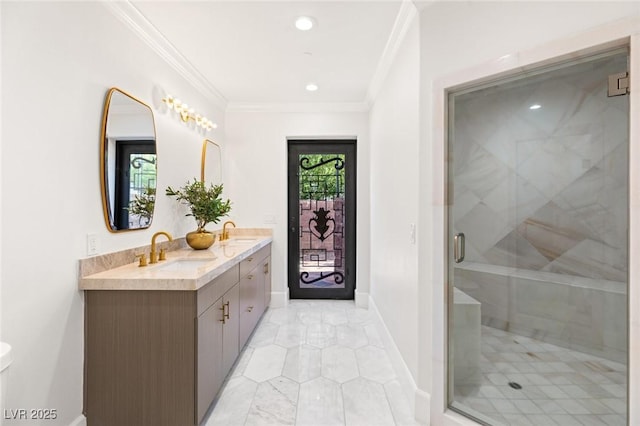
column 225, row 234
column 153, row 256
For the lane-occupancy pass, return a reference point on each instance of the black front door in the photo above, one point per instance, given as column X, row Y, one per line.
column 322, row 219
column 135, row 173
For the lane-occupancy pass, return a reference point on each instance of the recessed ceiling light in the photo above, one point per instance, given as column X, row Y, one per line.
column 535, row 106
column 305, row 23
column 311, row 87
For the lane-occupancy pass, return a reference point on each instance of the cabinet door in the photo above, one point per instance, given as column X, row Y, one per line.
column 266, row 269
column 210, row 374
column 259, row 300
column 248, row 296
column 231, row 329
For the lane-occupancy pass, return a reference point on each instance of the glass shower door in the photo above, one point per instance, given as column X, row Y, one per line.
column 538, row 256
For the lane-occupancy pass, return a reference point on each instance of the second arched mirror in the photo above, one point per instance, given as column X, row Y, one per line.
column 211, row 168
column 127, row 162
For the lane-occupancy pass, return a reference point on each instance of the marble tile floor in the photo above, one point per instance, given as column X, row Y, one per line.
column 559, row 386
column 319, row 362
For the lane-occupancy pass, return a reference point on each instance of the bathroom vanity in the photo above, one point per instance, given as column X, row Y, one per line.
column 160, row 340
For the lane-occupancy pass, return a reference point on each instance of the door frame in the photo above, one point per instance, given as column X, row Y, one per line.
column 598, row 40
column 320, row 146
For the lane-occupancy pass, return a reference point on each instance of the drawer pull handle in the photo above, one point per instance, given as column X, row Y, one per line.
column 249, row 259
column 265, row 269
column 225, row 313
column 249, row 277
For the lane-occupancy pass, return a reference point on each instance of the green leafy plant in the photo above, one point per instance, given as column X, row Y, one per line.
column 205, row 203
column 143, row 204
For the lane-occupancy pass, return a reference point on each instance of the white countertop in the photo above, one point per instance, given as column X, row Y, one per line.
column 160, row 276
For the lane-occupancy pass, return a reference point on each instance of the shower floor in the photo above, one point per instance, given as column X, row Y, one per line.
column 559, row 386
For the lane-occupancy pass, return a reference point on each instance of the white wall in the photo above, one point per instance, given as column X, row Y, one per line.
column 59, row 60
column 394, row 124
column 456, row 36
column 256, row 177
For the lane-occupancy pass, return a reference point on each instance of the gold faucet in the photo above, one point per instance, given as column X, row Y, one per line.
column 153, row 256
column 225, row 233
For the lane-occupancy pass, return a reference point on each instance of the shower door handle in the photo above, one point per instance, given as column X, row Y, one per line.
column 458, row 247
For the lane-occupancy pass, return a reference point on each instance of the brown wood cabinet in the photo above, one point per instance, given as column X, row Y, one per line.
column 217, row 328
column 254, row 272
column 266, row 270
column 159, row 357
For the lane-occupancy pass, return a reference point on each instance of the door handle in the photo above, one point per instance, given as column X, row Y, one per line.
column 227, row 314
column 458, row 247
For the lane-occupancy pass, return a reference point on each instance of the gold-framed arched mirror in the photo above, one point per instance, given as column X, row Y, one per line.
column 211, row 166
column 128, row 162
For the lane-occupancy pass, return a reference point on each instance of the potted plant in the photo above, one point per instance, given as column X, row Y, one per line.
column 206, row 206
column 142, row 206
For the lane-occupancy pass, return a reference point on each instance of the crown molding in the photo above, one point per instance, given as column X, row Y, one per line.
column 408, row 11
column 309, row 107
column 140, row 25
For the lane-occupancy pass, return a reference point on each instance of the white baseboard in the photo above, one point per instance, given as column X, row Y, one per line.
column 279, row 299
column 422, row 408
column 362, row 299
column 421, row 400
column 80, row 421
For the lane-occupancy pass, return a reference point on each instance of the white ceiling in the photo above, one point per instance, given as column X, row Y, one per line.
column 251, row 52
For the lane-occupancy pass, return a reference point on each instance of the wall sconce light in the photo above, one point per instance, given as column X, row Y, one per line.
column 187, row 114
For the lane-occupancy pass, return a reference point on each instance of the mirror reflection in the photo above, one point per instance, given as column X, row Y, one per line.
column 211, row 169
column 128, row 162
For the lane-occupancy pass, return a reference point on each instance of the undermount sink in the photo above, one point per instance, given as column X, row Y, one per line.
column 183, row 265
column 242, row 240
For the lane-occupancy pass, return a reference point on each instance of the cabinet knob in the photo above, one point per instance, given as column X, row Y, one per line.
column 250, row 308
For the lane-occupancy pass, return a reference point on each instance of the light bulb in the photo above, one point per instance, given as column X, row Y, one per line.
column 169, row 101
column 304, row 23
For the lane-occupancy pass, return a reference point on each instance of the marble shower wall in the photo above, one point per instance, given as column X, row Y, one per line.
column 545, row 189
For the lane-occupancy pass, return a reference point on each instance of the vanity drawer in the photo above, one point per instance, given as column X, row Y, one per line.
column 213, row 291
column 250, row 262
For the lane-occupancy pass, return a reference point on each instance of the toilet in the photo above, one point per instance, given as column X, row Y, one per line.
column 5, row 362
